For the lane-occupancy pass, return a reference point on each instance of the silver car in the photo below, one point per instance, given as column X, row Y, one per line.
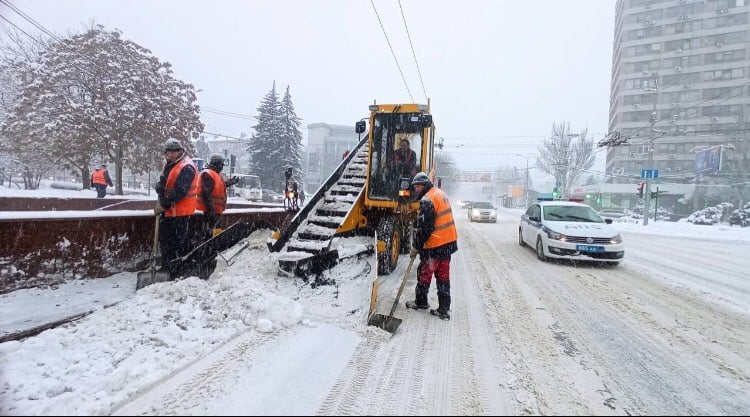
column 482, row 211
column 568, row 230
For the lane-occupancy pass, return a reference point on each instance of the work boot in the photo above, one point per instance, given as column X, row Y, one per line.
column 415, row 306
column 420, row 298
column 440, row 313
column 444, row 300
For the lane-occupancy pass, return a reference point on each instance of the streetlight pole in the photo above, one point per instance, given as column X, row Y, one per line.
column 652, row 136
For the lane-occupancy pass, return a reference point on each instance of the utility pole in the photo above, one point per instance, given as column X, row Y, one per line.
column 526, row 186
column 652, row 136
column 526, row 180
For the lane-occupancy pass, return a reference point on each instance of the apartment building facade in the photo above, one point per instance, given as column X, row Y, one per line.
column 326, row 143
column 687, row 63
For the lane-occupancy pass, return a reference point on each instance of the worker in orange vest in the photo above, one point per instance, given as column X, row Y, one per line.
column 100, row 180
column 177, row 191
column 212, row 201
column 435, row 241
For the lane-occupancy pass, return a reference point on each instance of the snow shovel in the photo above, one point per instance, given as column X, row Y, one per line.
column 390, row 323
column 146, row 278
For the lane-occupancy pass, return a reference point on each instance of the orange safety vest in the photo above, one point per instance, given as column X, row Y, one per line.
column 445, row 229
column 98, row 177
column 186, row 206
column 219, row 194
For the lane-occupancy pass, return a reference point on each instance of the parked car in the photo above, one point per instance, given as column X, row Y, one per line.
column 270, row 196
column 569, row 230
column 612, row 213
column 482, row 211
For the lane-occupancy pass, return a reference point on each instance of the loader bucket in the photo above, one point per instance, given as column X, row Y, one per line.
column 146, row 278
column 387, row 323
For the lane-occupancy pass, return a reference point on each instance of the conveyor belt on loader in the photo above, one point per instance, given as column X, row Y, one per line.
column 307, row 240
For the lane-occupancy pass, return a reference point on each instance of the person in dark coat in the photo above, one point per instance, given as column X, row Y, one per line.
column 435, row 240
column 177, row 192
column 212, row 201
column 406, row 160
column 100, row 180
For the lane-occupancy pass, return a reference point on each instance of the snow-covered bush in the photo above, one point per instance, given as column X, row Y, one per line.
column 66, row 186
column 741, row 217
column 710, row 215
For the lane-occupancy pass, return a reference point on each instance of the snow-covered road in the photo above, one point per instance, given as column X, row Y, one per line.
column 655, row 335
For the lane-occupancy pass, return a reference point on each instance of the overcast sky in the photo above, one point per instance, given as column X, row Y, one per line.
column 498, row 73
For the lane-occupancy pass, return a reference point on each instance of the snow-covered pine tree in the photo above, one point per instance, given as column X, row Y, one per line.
column 266, row 149
column 292, row 137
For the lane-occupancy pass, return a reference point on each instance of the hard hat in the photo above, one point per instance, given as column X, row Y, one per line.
column 172, row 144
column 421, row 179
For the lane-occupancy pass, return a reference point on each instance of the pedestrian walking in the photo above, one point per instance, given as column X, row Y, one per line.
column 100, row 179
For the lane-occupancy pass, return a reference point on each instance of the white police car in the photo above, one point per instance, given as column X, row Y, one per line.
column 569, row 230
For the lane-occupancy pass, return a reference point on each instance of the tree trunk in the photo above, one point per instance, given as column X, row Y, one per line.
column 118, row 170
column 86, row 177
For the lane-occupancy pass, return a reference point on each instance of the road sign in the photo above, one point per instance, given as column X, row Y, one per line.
column 649, row 174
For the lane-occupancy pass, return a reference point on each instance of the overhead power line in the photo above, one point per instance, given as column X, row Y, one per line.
column 391, row 47
column 412, row 50
column 48, row 33
column 227, row 113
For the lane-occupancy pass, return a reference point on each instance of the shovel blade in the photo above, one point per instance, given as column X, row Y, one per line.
column 146, row 278
column 389, row 324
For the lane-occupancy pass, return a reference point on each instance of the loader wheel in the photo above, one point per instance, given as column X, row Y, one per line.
column 405, row 238
column 389, row 232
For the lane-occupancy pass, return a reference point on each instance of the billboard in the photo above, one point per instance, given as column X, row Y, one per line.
column 474, row 176
column 708, row 161
column 516, row 191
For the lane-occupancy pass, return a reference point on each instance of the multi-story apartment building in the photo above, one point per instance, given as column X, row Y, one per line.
column 326, row 144
column 687, row 62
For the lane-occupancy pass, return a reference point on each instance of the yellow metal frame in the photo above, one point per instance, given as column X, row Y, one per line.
column 426, row 150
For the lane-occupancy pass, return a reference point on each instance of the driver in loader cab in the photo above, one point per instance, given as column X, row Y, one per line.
column 406, row 160
column 435, row 240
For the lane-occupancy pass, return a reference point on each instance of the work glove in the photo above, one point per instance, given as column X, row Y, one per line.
column 413, row 252
column 232, row 181
column 158, row 209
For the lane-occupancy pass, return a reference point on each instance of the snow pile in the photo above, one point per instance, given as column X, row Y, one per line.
column 91, row 366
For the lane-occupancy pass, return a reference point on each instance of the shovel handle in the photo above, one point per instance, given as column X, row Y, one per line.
column 401, row 288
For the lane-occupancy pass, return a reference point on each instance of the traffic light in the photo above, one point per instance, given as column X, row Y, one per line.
column 640, row 189
column 653, row 194
column 555, row 193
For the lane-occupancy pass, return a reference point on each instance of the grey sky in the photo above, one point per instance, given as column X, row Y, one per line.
column 504, row 70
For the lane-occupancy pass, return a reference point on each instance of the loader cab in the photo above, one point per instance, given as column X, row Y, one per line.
column 402, row 130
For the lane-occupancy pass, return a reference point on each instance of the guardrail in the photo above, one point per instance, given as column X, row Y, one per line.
column 48, row 247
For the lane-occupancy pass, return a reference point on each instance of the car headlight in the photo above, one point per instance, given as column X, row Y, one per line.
column 616, row 239
column 554, row 235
